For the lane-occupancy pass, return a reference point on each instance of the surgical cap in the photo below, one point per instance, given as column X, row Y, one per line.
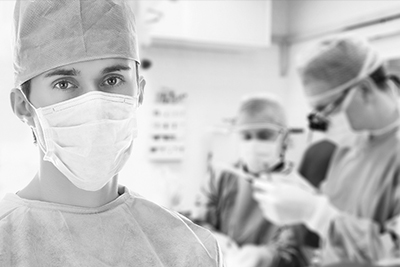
column 259, row 111
column 53, row 33
column 336, row 64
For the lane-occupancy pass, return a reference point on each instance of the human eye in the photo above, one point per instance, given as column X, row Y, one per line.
column 64, row 85
column 267, row 135
column 245, row 136
column 113, row 81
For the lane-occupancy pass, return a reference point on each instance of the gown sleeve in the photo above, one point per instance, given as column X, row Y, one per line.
column 368, row 240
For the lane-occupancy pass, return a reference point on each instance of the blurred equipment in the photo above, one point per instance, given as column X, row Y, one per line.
column 168, row 126
column 145, row 64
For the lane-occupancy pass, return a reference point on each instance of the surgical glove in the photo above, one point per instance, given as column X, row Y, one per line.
column 291, row 200
column 249, row 256
column 225, row 242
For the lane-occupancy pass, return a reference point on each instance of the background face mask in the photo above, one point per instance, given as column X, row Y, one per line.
column 257, row 155
column 340, row 130
column 88, row 138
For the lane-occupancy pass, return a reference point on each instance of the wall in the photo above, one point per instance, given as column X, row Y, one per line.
column 213, row 22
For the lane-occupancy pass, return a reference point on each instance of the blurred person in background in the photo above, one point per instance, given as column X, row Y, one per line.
column 226, row 205
column 314, row 168
column 315, row 161
column 356, row 212
column 78, row 88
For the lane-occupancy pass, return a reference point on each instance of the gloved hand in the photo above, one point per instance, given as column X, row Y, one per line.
column 290, row 199
column 249, row 256
column 225, row 242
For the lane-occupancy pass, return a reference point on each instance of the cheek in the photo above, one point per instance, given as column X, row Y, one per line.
column 358, row 113
column 130, row 88
column 44, row 98
column 42, row 95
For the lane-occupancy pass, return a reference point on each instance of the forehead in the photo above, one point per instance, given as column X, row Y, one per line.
column 260, row 117
column 90, row 68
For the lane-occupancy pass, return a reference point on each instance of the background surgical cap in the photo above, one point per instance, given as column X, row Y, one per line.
column 260, row 109
column 336, row 64
column 53, row 33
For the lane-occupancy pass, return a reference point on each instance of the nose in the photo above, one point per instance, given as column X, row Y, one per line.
column 89, row 86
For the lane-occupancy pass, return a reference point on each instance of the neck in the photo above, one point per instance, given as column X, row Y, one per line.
column 50, row 185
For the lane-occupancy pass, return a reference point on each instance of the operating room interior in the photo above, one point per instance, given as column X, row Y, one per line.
column 199, row 58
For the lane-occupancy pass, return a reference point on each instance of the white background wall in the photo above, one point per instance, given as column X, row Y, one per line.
column 225, row 22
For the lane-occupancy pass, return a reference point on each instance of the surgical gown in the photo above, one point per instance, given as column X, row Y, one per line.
column 129, row 231
column 363, row 182
column 227, row 206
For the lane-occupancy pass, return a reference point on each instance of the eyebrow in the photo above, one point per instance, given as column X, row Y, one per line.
column 63, row 72
column 118, row 67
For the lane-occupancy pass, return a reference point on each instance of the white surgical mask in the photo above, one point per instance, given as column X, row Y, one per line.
column 88, row 138
column 340, row 130
column 257, row 154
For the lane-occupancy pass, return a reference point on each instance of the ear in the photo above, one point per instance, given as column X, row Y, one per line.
column 21, row 107
column 142, row 84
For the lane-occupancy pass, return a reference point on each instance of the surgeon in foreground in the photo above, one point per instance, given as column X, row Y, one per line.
column 78, row 88
column 356, row 212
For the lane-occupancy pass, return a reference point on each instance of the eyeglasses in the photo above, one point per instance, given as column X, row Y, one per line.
column 318, row 119
column 261, row 134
